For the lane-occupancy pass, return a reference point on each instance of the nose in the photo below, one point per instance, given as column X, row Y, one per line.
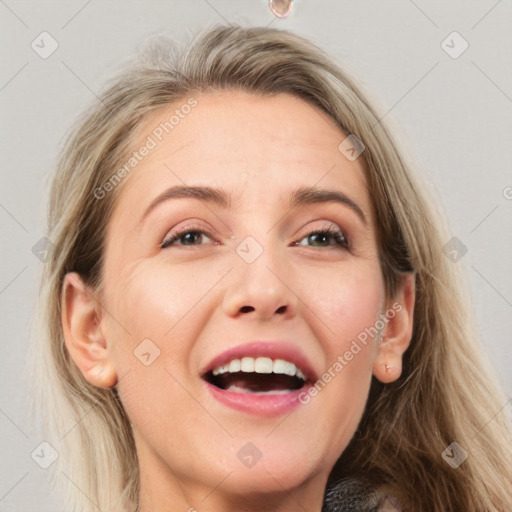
column 261, row 290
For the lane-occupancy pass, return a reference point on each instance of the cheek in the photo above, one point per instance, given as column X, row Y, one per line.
column 348, row 302
column 148, row 332
column 150, row 301
column 155, row 313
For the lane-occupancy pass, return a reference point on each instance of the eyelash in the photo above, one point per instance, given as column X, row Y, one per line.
column 332, row 231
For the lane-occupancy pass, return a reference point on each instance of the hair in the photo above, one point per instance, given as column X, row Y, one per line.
column 447, row 391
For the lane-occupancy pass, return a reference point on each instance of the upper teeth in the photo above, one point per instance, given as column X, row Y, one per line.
column 260, row 365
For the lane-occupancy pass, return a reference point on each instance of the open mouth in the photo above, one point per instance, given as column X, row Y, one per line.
column 261, row 375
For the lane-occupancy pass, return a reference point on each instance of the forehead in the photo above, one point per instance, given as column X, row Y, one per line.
column 255, row 147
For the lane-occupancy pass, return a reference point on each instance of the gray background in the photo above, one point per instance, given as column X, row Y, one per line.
column 455, row 114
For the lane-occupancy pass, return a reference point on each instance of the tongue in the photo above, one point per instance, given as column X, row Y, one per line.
column 257, row 382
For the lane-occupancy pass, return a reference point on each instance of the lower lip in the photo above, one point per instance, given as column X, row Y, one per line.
column 266, row 405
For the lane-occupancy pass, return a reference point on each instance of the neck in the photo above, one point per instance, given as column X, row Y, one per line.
column 174, row 494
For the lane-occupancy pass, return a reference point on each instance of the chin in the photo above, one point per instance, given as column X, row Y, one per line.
column 270, row 478
column 273, row 467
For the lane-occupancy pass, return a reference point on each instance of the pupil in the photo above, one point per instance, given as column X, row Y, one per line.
column 187, row 237
column 314, row 238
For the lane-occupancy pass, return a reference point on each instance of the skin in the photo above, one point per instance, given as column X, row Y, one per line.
column 188, row 300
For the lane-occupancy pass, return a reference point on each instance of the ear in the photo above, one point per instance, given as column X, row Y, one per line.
column 81, row 317
column 397, row 333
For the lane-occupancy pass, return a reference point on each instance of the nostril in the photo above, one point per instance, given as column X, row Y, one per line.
column 246, row 309
column 280, row 310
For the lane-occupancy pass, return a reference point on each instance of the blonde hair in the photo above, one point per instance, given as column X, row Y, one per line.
column 446, row 392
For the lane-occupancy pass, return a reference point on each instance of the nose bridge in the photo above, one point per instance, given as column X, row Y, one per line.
column 259, row 283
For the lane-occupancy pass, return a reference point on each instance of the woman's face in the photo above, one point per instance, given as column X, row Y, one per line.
column 251, row 282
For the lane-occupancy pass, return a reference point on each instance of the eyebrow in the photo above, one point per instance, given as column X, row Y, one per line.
column 302, row 196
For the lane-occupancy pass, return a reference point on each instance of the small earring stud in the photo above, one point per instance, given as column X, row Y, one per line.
column 387, row 367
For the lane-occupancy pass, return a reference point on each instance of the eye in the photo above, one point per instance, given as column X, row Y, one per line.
column 325, row 238
column 187, row 237
column 192, row 236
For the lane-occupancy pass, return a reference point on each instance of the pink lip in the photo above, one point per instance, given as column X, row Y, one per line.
column 269, row 404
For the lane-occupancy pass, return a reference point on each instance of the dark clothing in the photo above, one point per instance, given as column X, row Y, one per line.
column 356, row 496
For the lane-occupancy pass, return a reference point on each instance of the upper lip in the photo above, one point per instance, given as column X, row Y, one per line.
column 272, row 349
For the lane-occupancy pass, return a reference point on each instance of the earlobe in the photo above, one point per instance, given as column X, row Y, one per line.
column 397, row 333
column 81, row 317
